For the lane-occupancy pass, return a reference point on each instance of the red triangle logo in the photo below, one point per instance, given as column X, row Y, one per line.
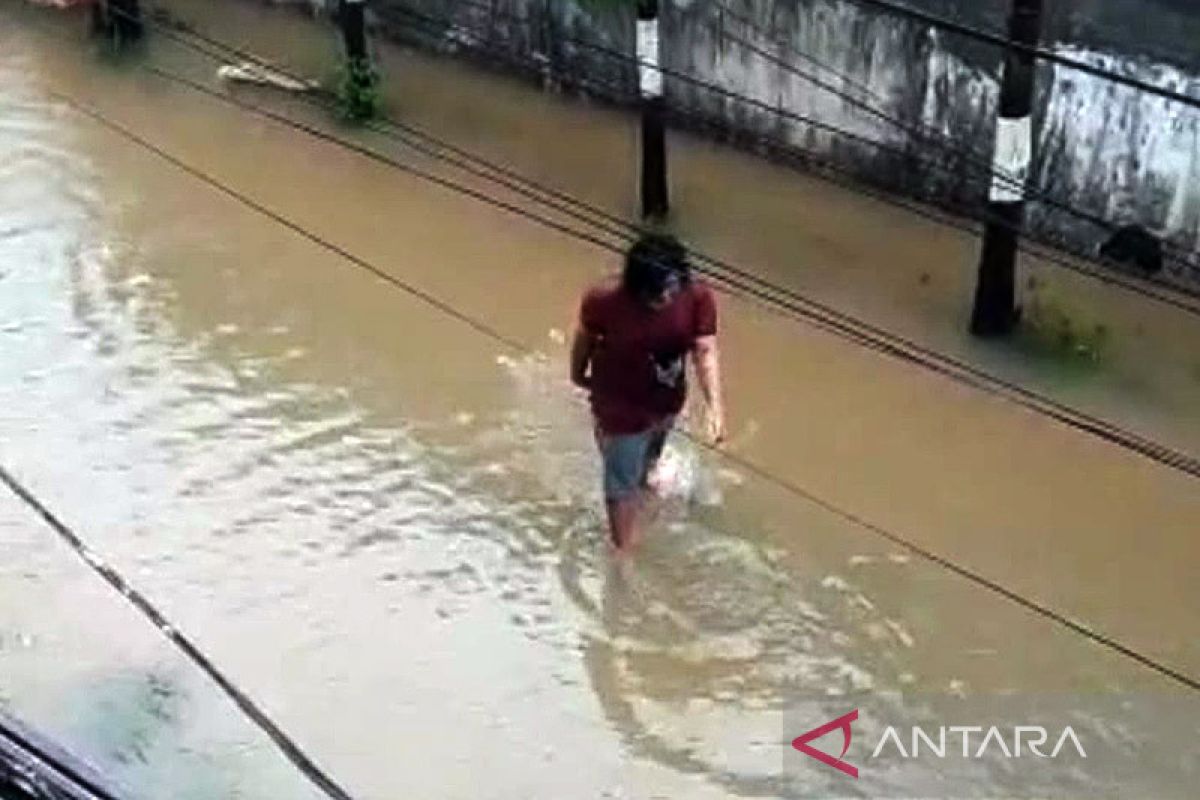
column 801, row 743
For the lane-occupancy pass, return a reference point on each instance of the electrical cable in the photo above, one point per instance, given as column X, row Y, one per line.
column 286, row 744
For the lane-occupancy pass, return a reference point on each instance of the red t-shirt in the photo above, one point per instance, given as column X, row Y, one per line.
column 638, row 375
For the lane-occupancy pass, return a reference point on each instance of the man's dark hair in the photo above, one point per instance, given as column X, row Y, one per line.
column 653, row 264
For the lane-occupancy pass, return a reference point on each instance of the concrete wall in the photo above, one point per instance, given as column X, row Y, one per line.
column 1105, row 149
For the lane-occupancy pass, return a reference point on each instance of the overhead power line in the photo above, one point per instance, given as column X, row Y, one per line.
column 285, row 743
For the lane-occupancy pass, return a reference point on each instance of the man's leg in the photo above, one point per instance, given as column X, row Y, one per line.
column 624, row 467
column 622, row 521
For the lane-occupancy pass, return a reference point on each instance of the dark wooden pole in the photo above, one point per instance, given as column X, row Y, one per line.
column 119, row 20
column 354, row 30
column 995, row 312
column 655, row 202
column 359, row 89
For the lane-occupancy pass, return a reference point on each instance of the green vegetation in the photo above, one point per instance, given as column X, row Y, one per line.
column 1051, row 327
column 358, row 91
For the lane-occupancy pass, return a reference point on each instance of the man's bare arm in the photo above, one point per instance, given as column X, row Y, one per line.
column 707, row 359
column 581, row 358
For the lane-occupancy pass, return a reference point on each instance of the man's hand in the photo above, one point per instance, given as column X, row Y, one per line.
column 581, row 356
column 714, row 425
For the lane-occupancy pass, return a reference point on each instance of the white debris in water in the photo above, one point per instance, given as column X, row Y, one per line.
column 734, row 647
column 957, row 688
column 251, row 72
column 900, row 633
column 464, row 418
column 808, row 612
column 557, row 336
column 836, row 583
column 898, row 558
column 858, row 561
column 862, row 602
column 227, row 329
column 506, row 361
column 860, row 680
column 141, row 279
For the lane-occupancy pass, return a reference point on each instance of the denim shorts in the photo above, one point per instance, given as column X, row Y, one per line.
column 629, row 457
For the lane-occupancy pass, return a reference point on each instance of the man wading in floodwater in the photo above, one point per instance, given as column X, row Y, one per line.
column 629, row 353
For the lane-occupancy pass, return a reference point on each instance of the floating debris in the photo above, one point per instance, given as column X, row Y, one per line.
column 835, row 582
column 900, row 633
column 249, row 72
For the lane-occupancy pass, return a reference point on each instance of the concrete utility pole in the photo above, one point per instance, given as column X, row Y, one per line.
column 655, row 203
column 995, row 312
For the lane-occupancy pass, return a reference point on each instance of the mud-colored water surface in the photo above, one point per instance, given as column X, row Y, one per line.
column 383, row 524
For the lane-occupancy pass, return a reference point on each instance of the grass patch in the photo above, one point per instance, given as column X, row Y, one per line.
column 1057, row 331
column 357, row 91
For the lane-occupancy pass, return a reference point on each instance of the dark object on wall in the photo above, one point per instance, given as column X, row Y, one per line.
column 1136, row 246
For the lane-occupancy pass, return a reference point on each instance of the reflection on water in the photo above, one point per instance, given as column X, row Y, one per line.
column 386, row 528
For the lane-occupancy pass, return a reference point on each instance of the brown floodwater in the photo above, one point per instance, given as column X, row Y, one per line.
column 383, row 524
